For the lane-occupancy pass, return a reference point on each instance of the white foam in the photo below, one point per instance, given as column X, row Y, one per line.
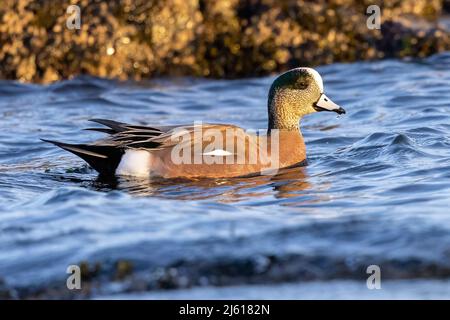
column 134, row 163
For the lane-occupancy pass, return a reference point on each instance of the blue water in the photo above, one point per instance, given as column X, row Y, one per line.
column 376, row 189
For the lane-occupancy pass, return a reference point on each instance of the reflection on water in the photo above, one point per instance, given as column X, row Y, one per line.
column 289, row 182
column 375, row 190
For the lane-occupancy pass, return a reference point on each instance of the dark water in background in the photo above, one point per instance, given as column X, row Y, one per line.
column 376, row 190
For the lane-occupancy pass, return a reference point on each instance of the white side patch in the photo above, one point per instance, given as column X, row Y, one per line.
column 316, row 77
column 217, row 152
column 134, row 163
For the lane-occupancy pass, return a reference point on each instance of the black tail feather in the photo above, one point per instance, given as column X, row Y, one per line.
column 103, row 158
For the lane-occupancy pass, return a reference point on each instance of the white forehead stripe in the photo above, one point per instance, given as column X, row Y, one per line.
column 316, row 77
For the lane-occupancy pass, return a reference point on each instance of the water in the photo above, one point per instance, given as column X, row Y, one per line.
column 376, row 189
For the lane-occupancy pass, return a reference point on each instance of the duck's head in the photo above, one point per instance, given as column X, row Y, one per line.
column 296, row 93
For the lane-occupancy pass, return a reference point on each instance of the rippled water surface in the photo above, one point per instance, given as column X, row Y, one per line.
column 376, row 189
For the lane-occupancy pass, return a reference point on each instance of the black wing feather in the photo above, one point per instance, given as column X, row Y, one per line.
column 104, row 130
column 114, row 125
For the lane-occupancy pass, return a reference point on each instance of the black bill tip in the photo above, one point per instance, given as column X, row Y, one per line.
column 340, row 110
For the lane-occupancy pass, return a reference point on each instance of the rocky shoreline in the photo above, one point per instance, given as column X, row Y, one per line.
column 128, row 39
column 124, row 277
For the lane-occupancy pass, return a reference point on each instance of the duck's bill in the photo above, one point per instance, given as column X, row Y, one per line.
column 325, row 104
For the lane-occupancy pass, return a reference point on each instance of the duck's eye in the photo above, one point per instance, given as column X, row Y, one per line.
column 302, row 85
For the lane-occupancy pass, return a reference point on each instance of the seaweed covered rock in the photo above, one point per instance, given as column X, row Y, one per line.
column 214, row 38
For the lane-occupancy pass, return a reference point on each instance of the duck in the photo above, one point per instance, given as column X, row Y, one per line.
column 208, row 150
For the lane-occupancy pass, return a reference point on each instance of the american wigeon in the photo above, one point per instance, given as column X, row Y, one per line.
column 212, row 150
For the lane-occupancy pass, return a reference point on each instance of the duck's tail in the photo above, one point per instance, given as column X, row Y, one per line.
column 103, row 158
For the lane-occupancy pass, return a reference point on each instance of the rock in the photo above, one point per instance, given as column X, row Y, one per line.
column 401, row 38
column 137, row 39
